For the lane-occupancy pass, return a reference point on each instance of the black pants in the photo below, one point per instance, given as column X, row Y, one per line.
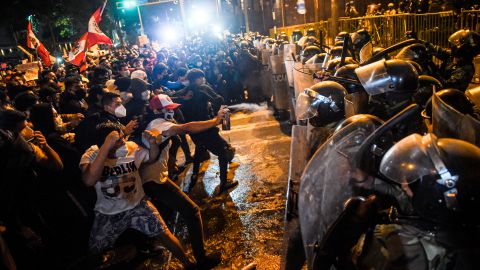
column 211, row 141
column 177, row 142
column 170, row 195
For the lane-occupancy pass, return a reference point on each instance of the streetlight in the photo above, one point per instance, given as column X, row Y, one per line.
column 129, row 5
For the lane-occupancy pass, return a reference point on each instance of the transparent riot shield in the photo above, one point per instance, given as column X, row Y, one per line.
column 447, row 122
column 355, row 103
column 288, row 56
column 329, row 179
column 266, row 74
column 279, row 82
column 302, row 78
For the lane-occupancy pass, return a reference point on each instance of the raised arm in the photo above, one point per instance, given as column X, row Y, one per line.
column 197, row 126
column 92, row 172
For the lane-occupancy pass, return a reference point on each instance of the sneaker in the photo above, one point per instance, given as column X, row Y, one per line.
column 210, row 261
column 225, row 186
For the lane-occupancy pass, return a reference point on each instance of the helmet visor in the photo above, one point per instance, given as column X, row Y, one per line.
column 366, row 52
column 306, row 106
column 375, row 78
column 407, row 160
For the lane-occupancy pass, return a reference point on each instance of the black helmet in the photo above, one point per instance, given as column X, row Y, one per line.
column 465, row 44
column 323, row 103
column 426, row 86
column 309, row 52
column 336, row 51
column 283, row 37
column 456, row 99
column 359, row 39
column 334, row 64
column 311, row 41
column 341, row 36
column 441, row 175
column 269, row 41
column 296, row 35
column 317, row 58
column 348, row 72
column 311, row 32
column 358, row 117
column 388, row 76
column 416, row 53
column 338, row 44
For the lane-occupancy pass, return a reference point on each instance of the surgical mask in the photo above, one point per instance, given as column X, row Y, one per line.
column 122, row 151
column 199, row 64
column 145, row 95
column 120, row 111
column 186, row 83
column 169, row 115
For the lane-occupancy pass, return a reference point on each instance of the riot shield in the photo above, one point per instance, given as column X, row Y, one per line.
column 447, row 122
column 329, row 179
column 289, row 52
column 279, row 82
column 266, row 56
column 366, row 52
column 266, row 74
column 302, row 78
column 356, row 103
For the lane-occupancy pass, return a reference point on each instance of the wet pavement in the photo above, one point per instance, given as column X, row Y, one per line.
column 246, row 225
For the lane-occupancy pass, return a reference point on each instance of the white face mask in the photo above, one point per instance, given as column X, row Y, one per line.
column 199, row 64
column 120, row 111
column 145, row 95
column 122, row 151
column 168, row 115
column 186, row 83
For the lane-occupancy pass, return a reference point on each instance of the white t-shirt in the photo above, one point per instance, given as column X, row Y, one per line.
column 120, row 187
column 157, row 171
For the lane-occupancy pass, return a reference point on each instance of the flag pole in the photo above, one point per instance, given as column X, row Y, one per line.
column 103, row 7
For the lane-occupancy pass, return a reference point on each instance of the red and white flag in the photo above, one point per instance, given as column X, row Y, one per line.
column 96, row 36
column 34, row 43
column 77, row 56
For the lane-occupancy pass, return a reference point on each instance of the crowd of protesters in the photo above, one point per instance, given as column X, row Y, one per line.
column 88, row 158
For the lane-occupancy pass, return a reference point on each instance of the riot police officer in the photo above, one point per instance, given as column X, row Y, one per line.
column 457, row 69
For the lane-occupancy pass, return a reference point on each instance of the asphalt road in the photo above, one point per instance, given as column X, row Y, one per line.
column 246, row 225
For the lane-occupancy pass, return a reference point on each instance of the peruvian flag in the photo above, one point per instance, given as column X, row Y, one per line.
column 95, row 35
column 34, row 43
column 77, row 56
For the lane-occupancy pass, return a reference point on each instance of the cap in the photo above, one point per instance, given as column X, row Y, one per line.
column 162, row 101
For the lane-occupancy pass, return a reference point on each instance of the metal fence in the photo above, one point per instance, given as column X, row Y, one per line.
column 387, row 30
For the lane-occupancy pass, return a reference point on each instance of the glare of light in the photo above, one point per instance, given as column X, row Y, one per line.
column 129, row 4
column 170, row 34
column 59, row 60
column 217, row 29
column 199, row 17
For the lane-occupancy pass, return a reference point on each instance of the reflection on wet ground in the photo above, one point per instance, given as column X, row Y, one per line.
column 246, row 226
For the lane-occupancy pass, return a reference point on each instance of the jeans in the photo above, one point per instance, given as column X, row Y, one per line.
column 170, row 195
